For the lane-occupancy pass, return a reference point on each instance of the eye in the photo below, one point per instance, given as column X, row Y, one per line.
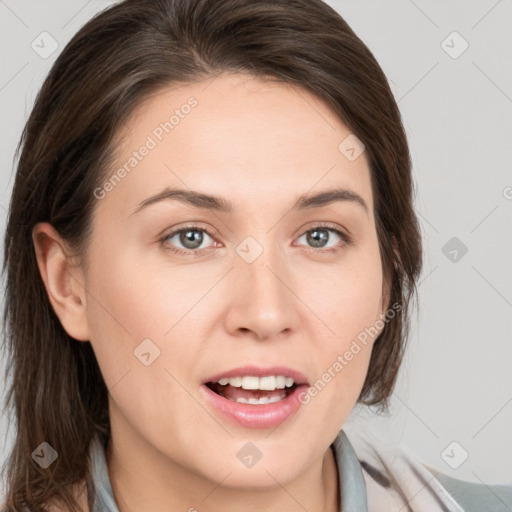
column 318, row 236
column 190, row 237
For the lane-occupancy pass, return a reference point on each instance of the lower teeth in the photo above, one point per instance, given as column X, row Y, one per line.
column 257, row 401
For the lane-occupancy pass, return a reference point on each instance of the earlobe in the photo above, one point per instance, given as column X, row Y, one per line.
column 63, row 282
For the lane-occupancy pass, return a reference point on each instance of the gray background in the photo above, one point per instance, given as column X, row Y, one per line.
column 454, row 395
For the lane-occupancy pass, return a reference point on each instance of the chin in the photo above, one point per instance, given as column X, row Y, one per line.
column 262, row 476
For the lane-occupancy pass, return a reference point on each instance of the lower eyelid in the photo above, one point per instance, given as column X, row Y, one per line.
column 345, row 239
column 165, row 238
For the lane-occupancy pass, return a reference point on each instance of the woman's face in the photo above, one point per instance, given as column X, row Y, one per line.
column 263, row 288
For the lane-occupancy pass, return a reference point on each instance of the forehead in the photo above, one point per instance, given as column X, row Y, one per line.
column 237, row 136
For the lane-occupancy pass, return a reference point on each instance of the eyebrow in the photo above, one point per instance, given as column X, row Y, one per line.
column 200, row 200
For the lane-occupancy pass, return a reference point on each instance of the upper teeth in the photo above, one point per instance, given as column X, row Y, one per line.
column 267, row 383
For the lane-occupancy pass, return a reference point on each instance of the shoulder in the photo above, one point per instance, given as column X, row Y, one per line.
column 394, row 475
column 475, row 497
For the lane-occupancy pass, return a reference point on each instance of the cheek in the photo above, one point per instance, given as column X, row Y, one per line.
column 347, row 299
column 138, row 323
column 139, row 296
column 132, row 310
column 349, row 306
column 136, row 296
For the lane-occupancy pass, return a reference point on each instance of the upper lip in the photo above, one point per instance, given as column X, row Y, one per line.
column 260, row 371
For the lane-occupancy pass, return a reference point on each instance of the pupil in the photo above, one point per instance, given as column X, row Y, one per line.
column 316, row 236
column 193, row 236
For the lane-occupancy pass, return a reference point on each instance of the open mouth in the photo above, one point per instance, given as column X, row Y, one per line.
column 254, row 397
column 254, row 390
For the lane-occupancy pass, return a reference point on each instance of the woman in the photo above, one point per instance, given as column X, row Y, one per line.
column 211, row 251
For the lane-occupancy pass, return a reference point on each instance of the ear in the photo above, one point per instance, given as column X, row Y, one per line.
column 64, row 283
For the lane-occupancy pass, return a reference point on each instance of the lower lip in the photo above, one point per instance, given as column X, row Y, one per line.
column 258, row 415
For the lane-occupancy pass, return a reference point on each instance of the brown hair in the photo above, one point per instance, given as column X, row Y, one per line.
column 120, row 58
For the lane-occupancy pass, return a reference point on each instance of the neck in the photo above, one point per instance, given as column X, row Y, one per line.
column 143, row 480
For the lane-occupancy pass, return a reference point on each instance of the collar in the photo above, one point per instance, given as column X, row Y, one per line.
column 350, row 477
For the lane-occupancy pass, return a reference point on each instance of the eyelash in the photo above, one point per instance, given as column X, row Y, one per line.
column 347, row 239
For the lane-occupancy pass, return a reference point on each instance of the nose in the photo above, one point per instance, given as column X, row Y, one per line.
column 262, row 303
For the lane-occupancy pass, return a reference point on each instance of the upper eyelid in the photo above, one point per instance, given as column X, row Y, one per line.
column 346, row 237
column 209, row 232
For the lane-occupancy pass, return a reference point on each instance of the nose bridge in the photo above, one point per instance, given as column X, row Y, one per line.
column 265, row 275
column 263, row 301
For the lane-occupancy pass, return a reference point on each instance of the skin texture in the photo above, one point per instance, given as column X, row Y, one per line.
column 260, row 146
